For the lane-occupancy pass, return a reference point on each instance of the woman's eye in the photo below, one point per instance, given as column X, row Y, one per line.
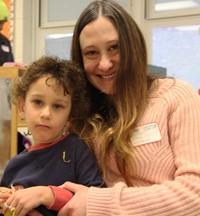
column 91, row 53
column 114, row 47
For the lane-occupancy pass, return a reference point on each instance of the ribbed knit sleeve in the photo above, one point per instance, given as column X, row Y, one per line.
column 166, row 173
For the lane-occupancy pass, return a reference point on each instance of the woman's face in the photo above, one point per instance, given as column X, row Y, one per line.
column 99, row 43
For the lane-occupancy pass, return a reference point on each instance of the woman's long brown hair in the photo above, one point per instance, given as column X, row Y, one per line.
column 125, row 108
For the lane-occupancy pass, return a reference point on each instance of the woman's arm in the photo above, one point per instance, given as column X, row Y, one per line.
column 77, row 205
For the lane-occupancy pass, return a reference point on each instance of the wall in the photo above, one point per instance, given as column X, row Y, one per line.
column 22, row 46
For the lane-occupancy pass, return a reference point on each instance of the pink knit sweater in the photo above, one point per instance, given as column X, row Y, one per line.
column 166, row 166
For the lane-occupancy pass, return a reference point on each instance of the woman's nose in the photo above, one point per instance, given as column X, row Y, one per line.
column 105, row 63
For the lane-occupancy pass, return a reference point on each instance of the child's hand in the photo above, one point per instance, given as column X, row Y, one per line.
column 5, row 193
column 10, row 211
column 25, row 200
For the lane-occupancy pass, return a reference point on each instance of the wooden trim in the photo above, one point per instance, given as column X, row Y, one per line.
column 12, row 73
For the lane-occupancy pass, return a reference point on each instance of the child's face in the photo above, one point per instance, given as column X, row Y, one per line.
column 46, row 110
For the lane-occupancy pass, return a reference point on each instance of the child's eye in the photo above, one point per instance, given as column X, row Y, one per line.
column 57, row 106
column 38, row 102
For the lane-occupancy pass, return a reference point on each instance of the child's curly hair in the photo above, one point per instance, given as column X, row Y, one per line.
column 67, row 74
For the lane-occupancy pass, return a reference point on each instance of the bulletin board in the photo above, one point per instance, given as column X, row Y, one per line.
column 8, row 29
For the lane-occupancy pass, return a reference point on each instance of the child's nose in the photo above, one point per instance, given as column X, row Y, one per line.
column 45, row 113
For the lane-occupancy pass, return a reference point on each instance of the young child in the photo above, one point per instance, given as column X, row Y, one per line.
column 51, row 97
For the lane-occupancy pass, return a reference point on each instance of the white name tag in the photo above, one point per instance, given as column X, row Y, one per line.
column 146, row 134
column 5, row 48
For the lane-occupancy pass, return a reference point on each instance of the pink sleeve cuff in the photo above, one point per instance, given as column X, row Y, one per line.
column 62, row 196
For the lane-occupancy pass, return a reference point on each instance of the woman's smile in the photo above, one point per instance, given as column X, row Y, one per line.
column 101, row 54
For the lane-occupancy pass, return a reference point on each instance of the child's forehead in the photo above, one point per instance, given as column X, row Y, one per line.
column 57, row 84
column 47, row 85
column 49, row 79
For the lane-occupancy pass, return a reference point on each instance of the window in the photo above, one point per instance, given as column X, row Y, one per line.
column 176, row 48
column 60, row 12
column 171, row 8
column 58, row 44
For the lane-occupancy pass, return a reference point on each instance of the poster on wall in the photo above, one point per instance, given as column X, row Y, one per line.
column 8, row 30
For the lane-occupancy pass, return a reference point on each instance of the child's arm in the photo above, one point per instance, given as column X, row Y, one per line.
column 61, row 197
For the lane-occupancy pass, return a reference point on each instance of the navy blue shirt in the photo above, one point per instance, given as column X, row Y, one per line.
column 69, row 159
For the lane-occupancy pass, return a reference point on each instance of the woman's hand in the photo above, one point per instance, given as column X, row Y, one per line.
column 25, row 200
column 77, row 205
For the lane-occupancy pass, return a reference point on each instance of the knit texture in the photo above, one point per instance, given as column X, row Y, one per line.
column 166, row 173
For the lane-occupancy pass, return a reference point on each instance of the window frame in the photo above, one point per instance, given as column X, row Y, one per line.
column 151, row 14
column 44, row 23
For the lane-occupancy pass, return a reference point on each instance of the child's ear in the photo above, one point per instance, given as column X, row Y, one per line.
column 66, row 128
column 68, row 124
column 21, row 108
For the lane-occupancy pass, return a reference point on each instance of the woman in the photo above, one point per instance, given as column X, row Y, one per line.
column 148, row 144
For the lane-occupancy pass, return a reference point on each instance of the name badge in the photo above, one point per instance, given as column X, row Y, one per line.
column 5, row 48
column 146, row 134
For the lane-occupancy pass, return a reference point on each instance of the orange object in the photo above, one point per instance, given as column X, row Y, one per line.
column 6, row 28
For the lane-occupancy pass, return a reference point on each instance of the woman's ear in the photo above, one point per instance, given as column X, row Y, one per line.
column 21, row 108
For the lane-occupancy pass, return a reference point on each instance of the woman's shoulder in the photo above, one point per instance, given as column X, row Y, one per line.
column 169, row 87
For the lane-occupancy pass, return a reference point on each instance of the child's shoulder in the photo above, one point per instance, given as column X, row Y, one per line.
column 74, row 141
